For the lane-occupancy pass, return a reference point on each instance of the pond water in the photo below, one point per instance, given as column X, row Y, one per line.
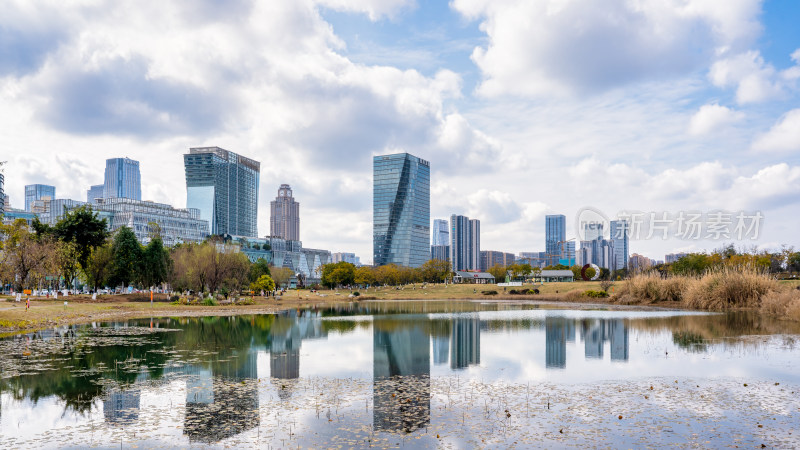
column 408, row 374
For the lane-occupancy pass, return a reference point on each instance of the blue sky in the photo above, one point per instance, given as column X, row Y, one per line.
column 524, row 107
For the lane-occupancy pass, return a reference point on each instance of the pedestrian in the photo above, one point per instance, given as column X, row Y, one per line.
column 28, row 304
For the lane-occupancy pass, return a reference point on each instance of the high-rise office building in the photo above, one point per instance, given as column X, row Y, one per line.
column 440, row 252
column 401, row 208
column 620, row 233
column 555, row 232
column 35, row 192
column 284, row 220
column 2, row 194
column 465, row 243
column 122, row 179
column 474, row 244
column 441, row 232
column 93, row 193
column 491, row 258
column 224, row 187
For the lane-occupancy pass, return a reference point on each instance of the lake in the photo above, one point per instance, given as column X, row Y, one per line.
column 409, row 374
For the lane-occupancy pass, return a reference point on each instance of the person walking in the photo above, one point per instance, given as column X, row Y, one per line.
column 28, row 304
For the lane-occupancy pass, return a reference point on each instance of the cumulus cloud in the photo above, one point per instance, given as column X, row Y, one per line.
column 375, row 9
column 554, row 46
column 784, row 136
column 711, row 118
column 755, row 80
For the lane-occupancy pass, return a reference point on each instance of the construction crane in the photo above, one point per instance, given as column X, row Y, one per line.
column 561, row 243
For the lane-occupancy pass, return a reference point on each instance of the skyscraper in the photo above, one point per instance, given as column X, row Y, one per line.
column 35, row 192
column 2, row 194
column 122, row 179
column 224, row 187
column 474, row 244
column 465, row 243
column 620, row 231
column 284, row 220
column 555, row 232
column 401, row 208
column 441, row 232
column 94, row 193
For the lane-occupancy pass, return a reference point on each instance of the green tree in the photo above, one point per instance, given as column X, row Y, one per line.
column 127, row 255
column 66, row 261
column 281, row 275
column 365, row 276
column 82, row 227
column 26, row 258
column 99, row 266
column 435, row 271
column 338, row 274
column 693, row 264
column 264, row 283
column 498, row 272
column 257, row 269
column 155, row 262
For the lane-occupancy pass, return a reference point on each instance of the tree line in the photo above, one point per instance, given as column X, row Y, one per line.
column 79, row 248
column 346, row 274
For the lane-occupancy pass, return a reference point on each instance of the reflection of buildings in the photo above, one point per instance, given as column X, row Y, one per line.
column 593, row 337
column 619, row 339
column 556, row 341
column 219, row 401
column 122, row 407
column 401, row 375
column 465, row 340
column 596, row 332
column 288, row 333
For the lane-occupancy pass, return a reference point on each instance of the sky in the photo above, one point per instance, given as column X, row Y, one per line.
column 523, row 107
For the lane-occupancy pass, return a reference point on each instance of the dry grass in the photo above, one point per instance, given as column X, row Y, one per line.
column 785, row 304
column 652, row 288
column 730, row 287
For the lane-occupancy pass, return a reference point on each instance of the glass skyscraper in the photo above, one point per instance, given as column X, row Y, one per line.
column 465, row 243
column 94, row 192
column 122, row 179
column 35, row 192
column 441, row 232
column 620, row 232
column 555, row 231
column 401, row 209
column 224, row 187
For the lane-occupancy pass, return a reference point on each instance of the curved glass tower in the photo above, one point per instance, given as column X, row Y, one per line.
column 401, row 210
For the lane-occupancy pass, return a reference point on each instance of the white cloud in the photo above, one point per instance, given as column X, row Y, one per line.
column 784, row 136
column 547, row 47
column 754, row 79
column 710, row 118
column 375, row 9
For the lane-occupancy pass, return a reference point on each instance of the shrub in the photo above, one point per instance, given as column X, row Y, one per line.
column 356, row 293
column 489, row 292
column 596, row 294
column 210, row 301
column 652, row 288
column 785, row 304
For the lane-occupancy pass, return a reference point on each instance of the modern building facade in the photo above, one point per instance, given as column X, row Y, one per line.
column 620, row 233
column 279, row 252
column 94, row 192
column 441, row 232
column 535, row 259
column 440, row 252
column 175, row 225
column 224, row 187
column 597, row 251
column 284, row 219
column 346, row 257
column 54, row 210
column 555, row 230
column 122, row 179
column 2, row 193
column 35, row 192
column 464, row 243
column 401, row 208
column 491, row 258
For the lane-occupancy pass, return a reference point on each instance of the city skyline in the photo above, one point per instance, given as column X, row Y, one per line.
column 642, row 125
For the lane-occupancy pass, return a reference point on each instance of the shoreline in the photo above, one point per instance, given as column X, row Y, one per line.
column 49, row 313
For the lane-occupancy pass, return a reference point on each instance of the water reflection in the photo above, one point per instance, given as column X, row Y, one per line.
column 217, row 358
